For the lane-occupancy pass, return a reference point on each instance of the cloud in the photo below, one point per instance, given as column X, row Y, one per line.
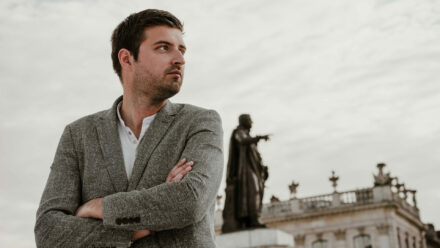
column 340, row 84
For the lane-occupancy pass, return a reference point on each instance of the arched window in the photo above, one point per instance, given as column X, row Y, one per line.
column 320, row 244
column 362, row 241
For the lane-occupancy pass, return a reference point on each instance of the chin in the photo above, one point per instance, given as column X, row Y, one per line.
column 174, row 88
column 166, row 93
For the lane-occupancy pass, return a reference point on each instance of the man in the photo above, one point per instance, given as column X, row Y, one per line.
column 245, row 179
column 144, row 173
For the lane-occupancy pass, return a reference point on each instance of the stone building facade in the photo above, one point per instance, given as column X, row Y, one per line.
column 382, row 216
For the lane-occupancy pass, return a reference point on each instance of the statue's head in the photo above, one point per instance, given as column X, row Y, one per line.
column 245, row 121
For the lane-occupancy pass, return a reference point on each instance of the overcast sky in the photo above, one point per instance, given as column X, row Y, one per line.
column 341, row 85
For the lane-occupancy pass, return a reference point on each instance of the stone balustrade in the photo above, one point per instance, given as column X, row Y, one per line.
column 337, row 201
column 358, row 197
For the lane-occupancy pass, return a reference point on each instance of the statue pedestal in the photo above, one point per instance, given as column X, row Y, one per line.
column 257, row 238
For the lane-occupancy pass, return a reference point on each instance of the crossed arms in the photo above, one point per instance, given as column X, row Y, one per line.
column 166, row 206
column 93, row 208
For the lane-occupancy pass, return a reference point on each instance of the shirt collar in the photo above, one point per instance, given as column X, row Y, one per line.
column 145, row 122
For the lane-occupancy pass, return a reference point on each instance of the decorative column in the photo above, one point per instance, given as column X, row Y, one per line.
column 384, row 235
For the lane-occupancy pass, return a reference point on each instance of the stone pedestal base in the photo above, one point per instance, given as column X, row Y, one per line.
column 257, row 238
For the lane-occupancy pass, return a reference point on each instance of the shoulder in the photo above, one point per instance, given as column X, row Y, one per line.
column 195, row 112
column 197, row 118
column 239, row 133
column 89, row 121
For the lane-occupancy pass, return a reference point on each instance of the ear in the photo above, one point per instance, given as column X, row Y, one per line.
column 125, row 59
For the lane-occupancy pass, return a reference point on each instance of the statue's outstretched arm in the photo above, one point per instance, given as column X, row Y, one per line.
column 244, row 138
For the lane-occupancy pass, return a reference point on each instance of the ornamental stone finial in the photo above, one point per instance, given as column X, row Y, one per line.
column 292, row 188
column 274, row 199
column 382, row 179
column 334, row 179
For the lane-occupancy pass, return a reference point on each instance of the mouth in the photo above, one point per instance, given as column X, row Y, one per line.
column 175, row 73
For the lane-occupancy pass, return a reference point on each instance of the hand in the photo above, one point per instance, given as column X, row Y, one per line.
column 265, row 137
column 90, row 209
column 179, row 171
column 140, row 234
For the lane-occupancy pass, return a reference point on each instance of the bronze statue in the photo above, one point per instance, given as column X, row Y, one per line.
column 245, row 179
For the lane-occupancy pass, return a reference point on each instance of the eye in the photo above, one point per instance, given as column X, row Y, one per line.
column 182, row 51
column 163, row 48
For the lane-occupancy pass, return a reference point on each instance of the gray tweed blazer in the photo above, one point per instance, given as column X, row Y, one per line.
column 89, row 164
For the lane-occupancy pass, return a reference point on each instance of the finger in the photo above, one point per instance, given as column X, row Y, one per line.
column 181, row 162
column 186, row 165
column 178, row 165
column 173, row 172
column 177, row 178
column 178, row 175
column 182, row 168
column 182, row 174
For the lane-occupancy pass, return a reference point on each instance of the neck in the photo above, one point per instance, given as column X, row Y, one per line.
column 245, row 128
column 135, row 108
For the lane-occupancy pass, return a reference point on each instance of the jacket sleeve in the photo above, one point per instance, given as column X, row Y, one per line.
column 56, row 224
column 176, row 204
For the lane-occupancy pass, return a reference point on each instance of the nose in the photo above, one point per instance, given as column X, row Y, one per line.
column 178, row 58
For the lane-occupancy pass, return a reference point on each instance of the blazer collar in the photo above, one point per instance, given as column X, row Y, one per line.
column 169, row 109
column 108, row 135
column 111, row 145
column 157, row 130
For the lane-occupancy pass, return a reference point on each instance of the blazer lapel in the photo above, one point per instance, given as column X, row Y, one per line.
column 151, row 139
column 107, row 128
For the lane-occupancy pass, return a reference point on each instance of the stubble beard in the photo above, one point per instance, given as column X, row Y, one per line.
column 158, row 89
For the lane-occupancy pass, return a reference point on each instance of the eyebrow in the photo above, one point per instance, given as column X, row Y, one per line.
column 167, row 43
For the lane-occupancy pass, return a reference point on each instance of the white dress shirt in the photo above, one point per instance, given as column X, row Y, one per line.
column 129, row 141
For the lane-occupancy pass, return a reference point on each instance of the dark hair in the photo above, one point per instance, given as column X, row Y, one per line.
column 129, row 34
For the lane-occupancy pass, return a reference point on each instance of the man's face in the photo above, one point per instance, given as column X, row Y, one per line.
column 247, row 122
column 158, row 71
